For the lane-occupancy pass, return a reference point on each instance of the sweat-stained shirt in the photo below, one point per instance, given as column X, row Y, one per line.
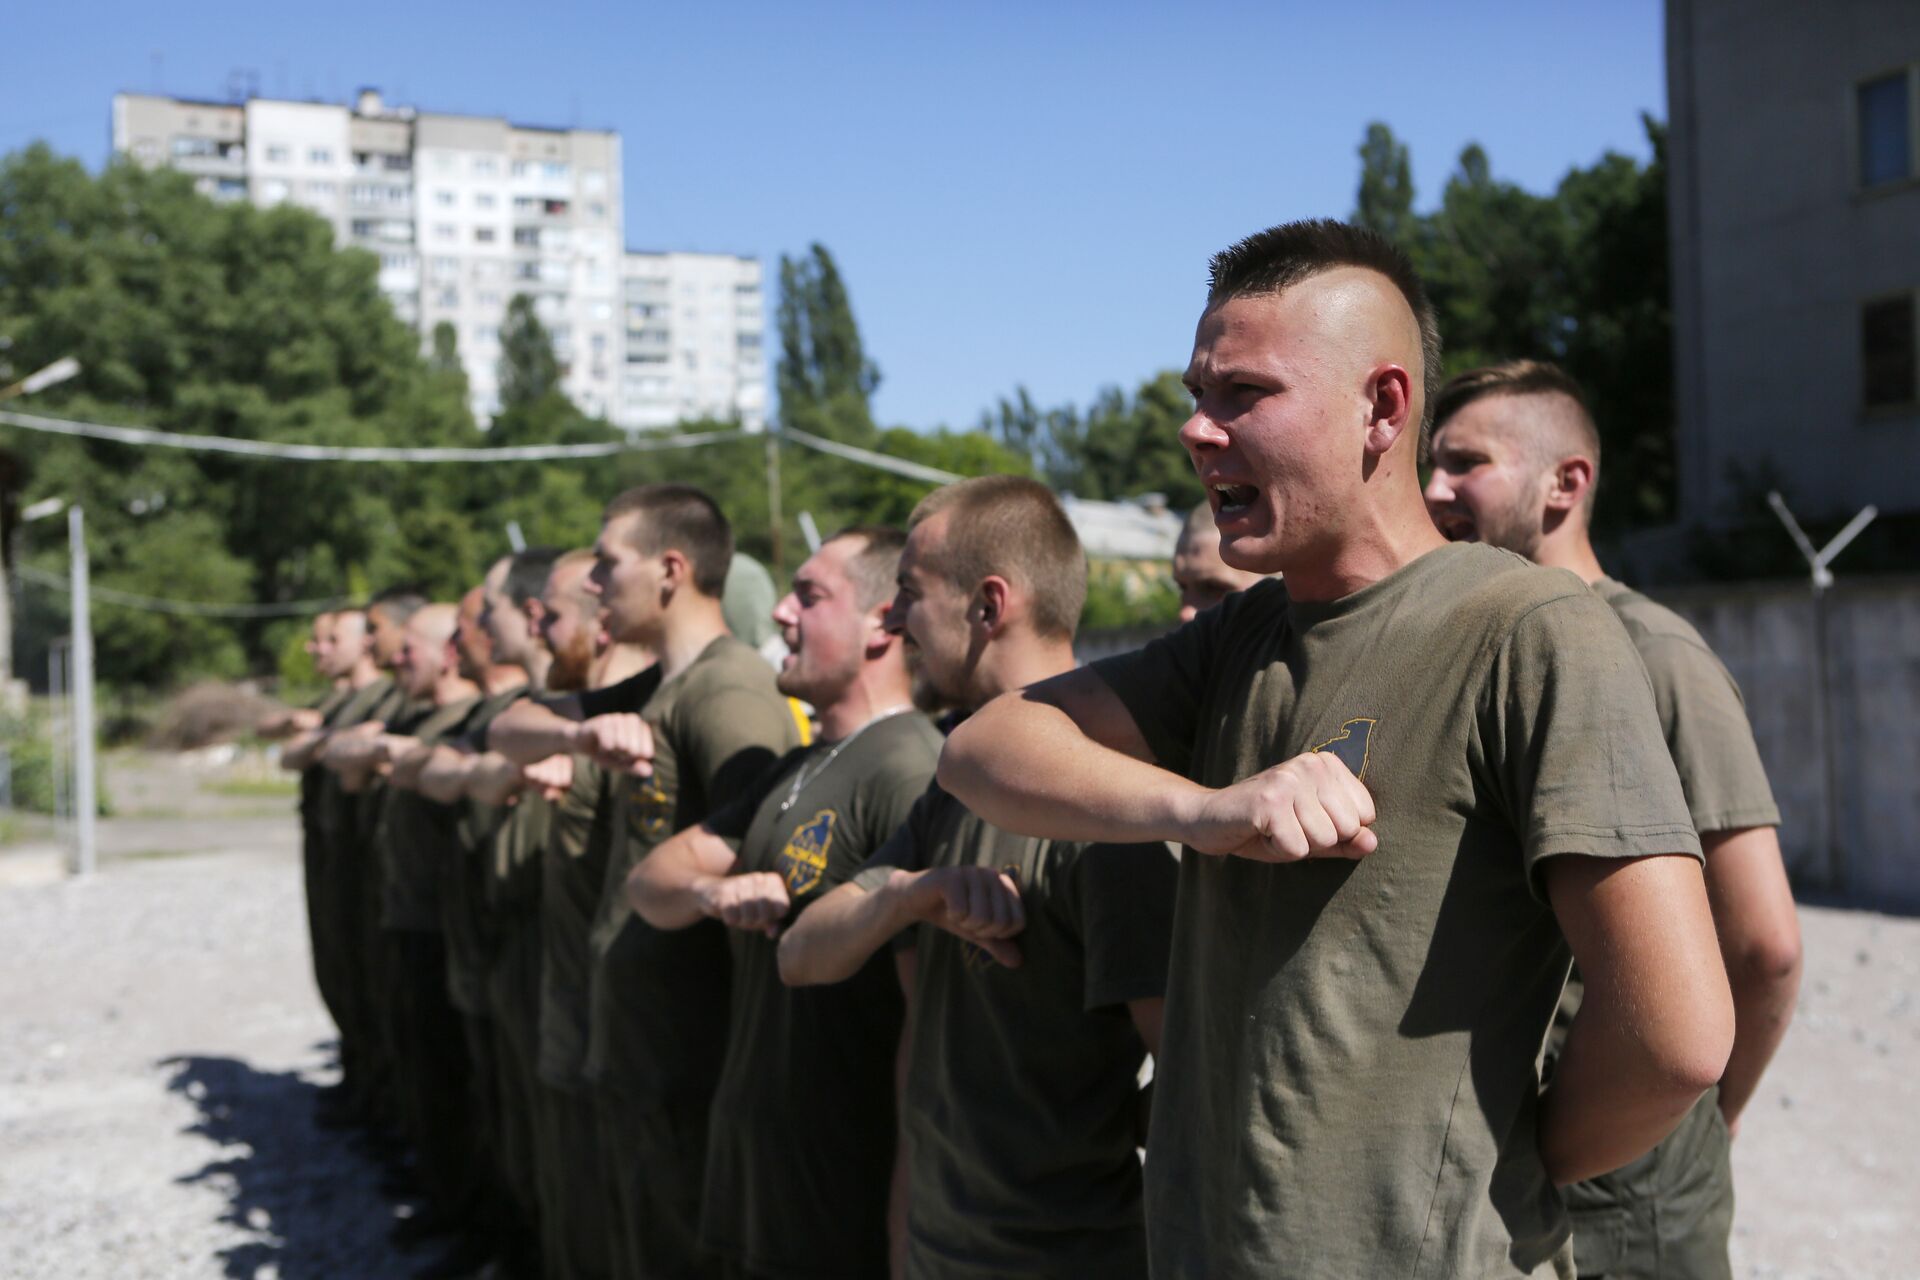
column 657, row 1000
column 800, row 1145
column 1348, row 1083
column 1021, row 1108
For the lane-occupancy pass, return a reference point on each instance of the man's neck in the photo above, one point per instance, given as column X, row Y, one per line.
column 535, row 663
column 1016, row 661
column 503, row 676
column 1378, row 543
column 453, row 687
column 364, row 673
column 690, row 626
column 1569, row 548
column 620, row 662
column 871, row 695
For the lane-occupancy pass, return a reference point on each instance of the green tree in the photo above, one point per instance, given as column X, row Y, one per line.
column 529, row 370
column 825, row 380
column 215, row 318
column 1385, row 203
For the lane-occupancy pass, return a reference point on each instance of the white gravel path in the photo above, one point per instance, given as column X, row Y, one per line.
column 161, row 1041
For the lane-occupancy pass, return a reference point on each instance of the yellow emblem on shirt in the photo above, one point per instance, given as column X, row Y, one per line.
column 803, row 863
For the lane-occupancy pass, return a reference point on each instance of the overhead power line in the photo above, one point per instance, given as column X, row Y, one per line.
column 184, row 608
column 150, row 437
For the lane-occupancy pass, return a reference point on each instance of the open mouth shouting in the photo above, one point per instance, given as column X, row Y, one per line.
column 1230, row 500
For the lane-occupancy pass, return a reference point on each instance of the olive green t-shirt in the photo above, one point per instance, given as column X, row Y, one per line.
column 335, row 809
column 1022, row 1083
column 416, row 836
column 1348, row 1083
column 801, row 1142
column 1702, row 716
column 331, row 708
column 573, row 871
column 1705, row 723
column 657, row 1006
column 464, row 913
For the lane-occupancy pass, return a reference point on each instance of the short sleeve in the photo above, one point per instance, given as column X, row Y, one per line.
column 1571, row 741
column 732, row 739
column 734, row 816
column 1121, row 901
column 906, row 848
column 1164, row 684
column 628, row 695
column 1708, row 734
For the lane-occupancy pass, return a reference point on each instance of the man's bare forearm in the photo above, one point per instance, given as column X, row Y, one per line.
column 303, row 750
column 838, row 933
column 1656, row 1022
column 443, row 778
column 1024, row 765
column 1759, row 928
column 665, row 888
column 528, row 733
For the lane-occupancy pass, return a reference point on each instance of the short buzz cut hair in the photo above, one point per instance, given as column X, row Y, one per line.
column 527, row 573
column 679, row 517
column 1014, row 527
column 876, row 565
column 1529, row 378
column 1274, row 260
column 398, row 603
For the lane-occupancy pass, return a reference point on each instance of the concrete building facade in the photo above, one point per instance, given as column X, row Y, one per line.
column 1794, row 205
column 463, row 212
column 695, row 340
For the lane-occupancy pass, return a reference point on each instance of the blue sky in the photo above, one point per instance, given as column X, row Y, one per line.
column 1015, row 193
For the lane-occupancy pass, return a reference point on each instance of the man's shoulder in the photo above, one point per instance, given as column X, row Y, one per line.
column 1503, row 587
column 1647, row 620
column 729, row 664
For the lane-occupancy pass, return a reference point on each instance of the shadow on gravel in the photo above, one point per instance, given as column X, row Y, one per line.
column 311, row 1203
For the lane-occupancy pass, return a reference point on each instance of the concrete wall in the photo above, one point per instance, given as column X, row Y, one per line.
column 1764, row 632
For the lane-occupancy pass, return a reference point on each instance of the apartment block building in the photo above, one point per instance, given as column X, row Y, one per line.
column 463, row 212
column 695, row 340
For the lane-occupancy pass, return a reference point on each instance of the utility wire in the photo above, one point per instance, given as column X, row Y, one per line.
column 182, row 608
column 148, row 436
column 356, row 453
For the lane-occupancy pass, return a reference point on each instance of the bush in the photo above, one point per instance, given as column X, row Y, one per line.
column 28, row 743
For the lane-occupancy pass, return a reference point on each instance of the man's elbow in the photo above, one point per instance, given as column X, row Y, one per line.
column 1768, row 960
column 797, row 962
column 1692, row 1059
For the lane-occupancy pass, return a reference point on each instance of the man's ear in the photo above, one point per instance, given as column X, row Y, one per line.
column 1567, row 487
column 877, row 636
column 676, row 571
column 1390, row 408
column 995, row 596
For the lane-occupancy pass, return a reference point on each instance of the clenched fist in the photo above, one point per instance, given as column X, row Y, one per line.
column 756, row 901
column 620, row 742
column 1308, row 807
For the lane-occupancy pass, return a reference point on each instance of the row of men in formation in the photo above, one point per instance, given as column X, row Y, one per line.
column 668, row 964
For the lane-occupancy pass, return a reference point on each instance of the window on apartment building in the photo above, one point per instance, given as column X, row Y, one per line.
column 446, row 268
column 596, row 209
column 555, row 170
column 364, row 227
column 593, row 181
column 484, row 200
column 363, row 193
column 320, row 190
column 485, row 333
column 526, row 271
column 273, row 191
column 397, row 164
column 278, row 153
column 521, row 169
column 397, row 261
column 485, row 166
column 488, row 298
column 230, row 189
column 320, row 155
column 1889, row 352
column 483, row 235
column 527, row 236
column 1883, row 108
column 444, row 199
column 603, row 311
column 449, row 297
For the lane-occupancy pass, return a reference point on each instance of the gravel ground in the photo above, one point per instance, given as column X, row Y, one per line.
column 161, row 1043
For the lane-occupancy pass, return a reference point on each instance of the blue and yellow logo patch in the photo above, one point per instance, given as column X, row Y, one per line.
column 803, row 863
column 1351, row 744
column 649, row 810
